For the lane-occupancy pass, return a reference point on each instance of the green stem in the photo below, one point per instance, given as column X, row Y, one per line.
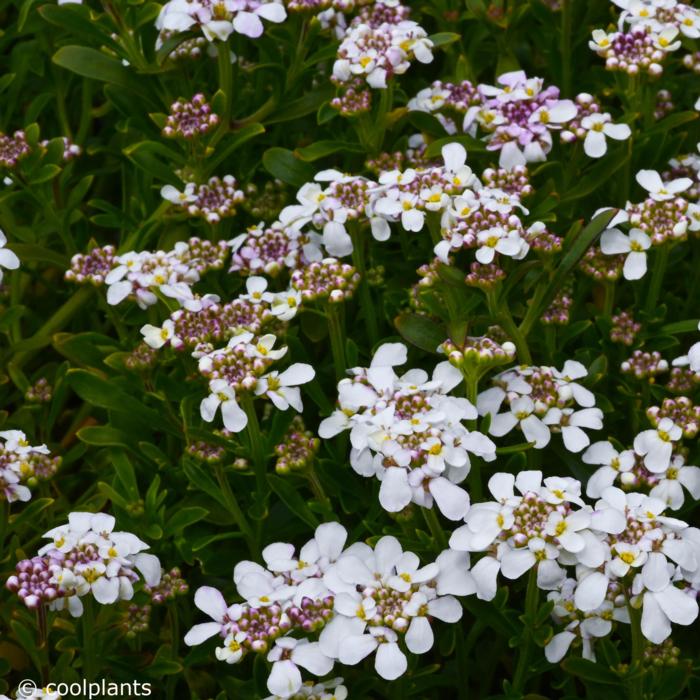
column 255, row 440
column 234, row 509
column 565, row 52
column 436, row 530
column 531, row 602
column 366, row 304
column 317, row 489
column 636, row 684
column 501, row 314
column 657, row 278
column 225, row 84
column 337, row 336
column 88, row 638
column 609, row 300
column 471, row 390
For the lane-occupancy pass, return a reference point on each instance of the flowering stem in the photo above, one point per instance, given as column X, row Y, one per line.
column 256, row 447
column 657, row 277
column 436, row 530
column 368, row 311
column 566, row 47
column 636, row 685
column 471, row 390
column 337, row 336
column 88, row 638
column 501, row 314
column 235, row 509
column 317, row 489
column 225, row 84
column 609, row 300
column 531, row 602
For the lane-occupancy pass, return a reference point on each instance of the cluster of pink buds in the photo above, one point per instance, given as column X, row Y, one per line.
column 480, row 351
column 269, row 249
column 34, row 581
column 663, row 105
column 624, row 328
column 70, row 150
column 189, row 120
column 326, row 280
column 40, row 392
column 633, row 52
column 681, row 411
column 514, row 181
column 645, row 365
column 214, row 200
column 91, row 267
column 265, row 203
column 558, row 312
column 662, row 221
column 135, row 620
column 170, row 586
column 484, row 276
column 298, row 448
column 141, row 358
column 206, row 452
column 13, row 149
column 683, row 380
column 601, row 267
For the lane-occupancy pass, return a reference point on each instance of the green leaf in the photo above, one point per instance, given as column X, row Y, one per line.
column 671, row 122
column 103, row 393
column 164, row 664
column 103, row 435
column 572, row 254
column 44, row 174
column 184, row 517
column 595, row 177
column 321, row 149
column 589, row 671
column 291, row 498
column 444, row 38
column 689, row 326
column 125, row 472
column 284, row 165
column 420, row 331
column 232, row 142
column 30, row 512
column 76, row 19
column 145, row 155
column 28, row 252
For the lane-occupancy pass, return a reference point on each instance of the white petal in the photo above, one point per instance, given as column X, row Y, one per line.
column 635, row 265
column 284, row 679
column 419, row 637
column 591, row 591
column 614, row 242
column 356, row 647
column 200, row 633
column 395, row 492
column 452, row 500
column 655, row 625
column 594, row 144
column 558, row 645
column 390, row 662
column 515, row 562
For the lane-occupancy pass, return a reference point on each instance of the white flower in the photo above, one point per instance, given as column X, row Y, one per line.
column 614, row 242
column 521, row 413
column 571, row 422
column 656, row 445
column 390, row 662
column 497, row 240
column 612, row 463
column 659, row 190
column 288, row 653
column 8, row 259
column 598, row 126
column 285, row 305
column 156, row 337
column 210, row 601
column 223, row 397
column 232, row 651
column 283, row 388
column 670, row 487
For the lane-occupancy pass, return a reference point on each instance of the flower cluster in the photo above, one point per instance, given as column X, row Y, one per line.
column 354, row 601
column 239, row 370
column 218, row 19
column 624, row 550
column 541, row 401
column 408, row 432
column 86, row 556
column 23, row 465
column 191, row 119
column 378, row 45
column 212, row 201
column 135, row 274
column 13, row 149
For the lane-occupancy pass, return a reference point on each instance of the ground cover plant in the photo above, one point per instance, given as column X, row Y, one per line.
column 349, row 349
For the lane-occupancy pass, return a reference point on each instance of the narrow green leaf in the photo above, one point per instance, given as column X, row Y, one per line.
column 291, row 498
column 284, row 165
column 420, row 331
